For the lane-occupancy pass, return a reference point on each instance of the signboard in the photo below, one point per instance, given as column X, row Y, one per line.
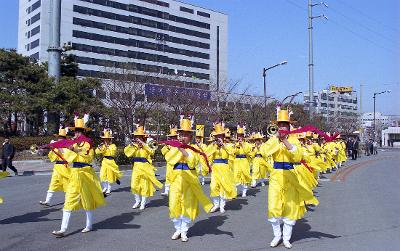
column 340, row 88
column 154, row 91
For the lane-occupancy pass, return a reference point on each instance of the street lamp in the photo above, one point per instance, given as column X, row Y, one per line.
column 377, row 93
column 265, row 84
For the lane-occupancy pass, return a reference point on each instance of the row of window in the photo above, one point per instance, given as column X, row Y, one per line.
column 33, row 19
column 161, row 3
column 191, row 11
column 138, row 44
column 32, row 32
column 33, row 7
column 145, row 79
column 149, row 12
column 137, row 66
column 139, row 21
column 142, row 33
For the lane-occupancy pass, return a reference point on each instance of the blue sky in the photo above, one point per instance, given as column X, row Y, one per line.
column 359, row 44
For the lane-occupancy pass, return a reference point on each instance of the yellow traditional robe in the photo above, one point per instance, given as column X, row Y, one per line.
column 143, row 175
column 186, row 193
column 241, row 163
column 285, row 195
column 260, row 166
column 109, row 171
column 84, row 190
column 222, row 180
column 61, row 172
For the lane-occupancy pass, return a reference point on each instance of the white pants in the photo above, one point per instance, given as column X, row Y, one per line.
column 67, row 216
column 287, row 227
column 182, row 224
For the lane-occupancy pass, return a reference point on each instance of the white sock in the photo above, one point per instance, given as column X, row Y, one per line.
column 287, row 232
column 143, row 202
column 215, row 201
column 104, row 186
column 276, row 228
column 222, row 202
column 137, row 198
column 185, row 224
column 244, row 189
column 166, row 188
column 177, row 224
column 49, row 196
column 108, row 187
column 89, row 219
column 65, row 220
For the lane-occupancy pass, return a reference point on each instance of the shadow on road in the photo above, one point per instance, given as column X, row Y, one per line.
column 162, row 202
column 236, row 204
column 253, row 192
column 31, row 217
column 302, row 230
column 122, row 189
column 118, row 222
column 210, row 226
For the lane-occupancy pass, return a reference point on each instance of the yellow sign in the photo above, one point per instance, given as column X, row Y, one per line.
column 341, row 88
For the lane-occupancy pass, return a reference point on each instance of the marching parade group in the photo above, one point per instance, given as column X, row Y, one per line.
column 289, row 163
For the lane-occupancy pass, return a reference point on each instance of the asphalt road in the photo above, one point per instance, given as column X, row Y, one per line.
column 359, row 210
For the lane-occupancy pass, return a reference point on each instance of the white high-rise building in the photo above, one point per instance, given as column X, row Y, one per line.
column 166, row 39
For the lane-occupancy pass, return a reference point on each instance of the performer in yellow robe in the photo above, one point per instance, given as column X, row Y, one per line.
column 109, row 171
column 222, row 180
column 61, row 172
column 3, row 174
column 260, row 164
column 285, row 195
column 84, row 190
column 186, row 193
column 201, row 167
column 143, row 175
column 241, row 163
column 173, row 135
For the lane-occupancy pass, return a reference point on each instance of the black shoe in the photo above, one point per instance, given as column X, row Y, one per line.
column 118, row 182
column 105, row 194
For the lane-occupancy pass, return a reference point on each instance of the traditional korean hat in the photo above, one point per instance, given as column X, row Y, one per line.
column 283, row 116
column 81, row 123
column 62, row 132
column 228, row 133
column 315, row 135
column 309, row 134
column 173, row 131
column 200, row 131
column 139, row 131
column 219, row 128
column 186, row 124
column 240, row 129
column 107, row 134
column 257, row 135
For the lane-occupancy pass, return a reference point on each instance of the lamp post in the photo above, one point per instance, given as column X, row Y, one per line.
column 265, row 84
column 375, row 94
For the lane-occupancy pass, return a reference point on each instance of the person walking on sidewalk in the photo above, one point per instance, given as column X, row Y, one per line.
column 7, row 156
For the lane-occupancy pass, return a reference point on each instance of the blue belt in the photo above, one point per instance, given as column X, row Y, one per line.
column 220, row 161
column 109, row 157
column 283, row 165
column 139, row 159
column 258, row 155
column 80, row 164
column 241, row 156
column 60, row 162
column 182, row 166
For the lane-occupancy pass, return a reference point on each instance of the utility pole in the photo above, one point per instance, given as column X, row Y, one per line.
column 54, row 48
column 310, row 54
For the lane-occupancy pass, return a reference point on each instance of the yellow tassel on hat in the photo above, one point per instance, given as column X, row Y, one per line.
column 200, row 131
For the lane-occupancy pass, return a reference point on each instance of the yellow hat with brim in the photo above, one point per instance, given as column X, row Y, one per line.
column 309, row 134
column 219, row 129
column 173, row 132
column 62, row 133
column 185, row 125
column 200, row 131
column 107, row 135
column 258, row 136
column 80, row 124
column 283, row 116
column 139, row 131
column 240, row 130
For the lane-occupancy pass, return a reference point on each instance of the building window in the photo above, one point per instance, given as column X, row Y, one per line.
column 35, row 44
column 164, row 4
column 35, row 30
column 184, row 9
column 35, row 56
column 203, row 14
column 35, row 6
column 34, row 18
